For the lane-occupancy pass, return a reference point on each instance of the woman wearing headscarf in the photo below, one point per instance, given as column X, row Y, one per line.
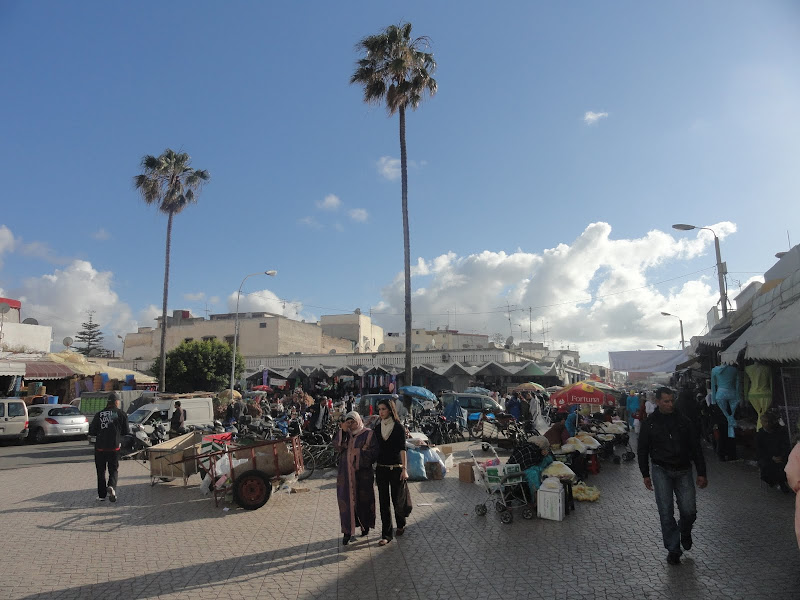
column 793, row 477
column 391, row 471
column 358, row 448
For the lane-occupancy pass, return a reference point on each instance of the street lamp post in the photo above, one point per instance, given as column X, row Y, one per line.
column 666, row 314
column 236, row 324
column 721, row 269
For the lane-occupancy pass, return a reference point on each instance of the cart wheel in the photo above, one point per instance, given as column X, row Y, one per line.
column 527, row 513
column 485, row 447
column 499, row 507
column 481, row 510
column 309, row 464
column 251, row 490
column 506, row 517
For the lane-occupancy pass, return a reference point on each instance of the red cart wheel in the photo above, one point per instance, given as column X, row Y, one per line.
column 251, row 490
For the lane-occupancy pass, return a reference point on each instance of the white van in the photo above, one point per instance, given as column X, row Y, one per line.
column 199, row 412
column 13, row 419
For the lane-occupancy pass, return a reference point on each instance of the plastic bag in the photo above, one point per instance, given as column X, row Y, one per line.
column 551, row 483
column 588, row 441
column 560, row 470
column 434, row 455
column 415, row 463
column 579, row 445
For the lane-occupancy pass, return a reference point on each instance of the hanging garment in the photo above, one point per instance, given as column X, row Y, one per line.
column 725, row 392
column 758, row 388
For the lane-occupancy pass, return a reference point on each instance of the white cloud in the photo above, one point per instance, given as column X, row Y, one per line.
column 330, row 202
column 148, row 315
column 196, row 297
column 310, row 222
column 62, row 298
column 596, row 293
column 213, row 300
column 358, row 214
column 591, row 117
column 101, row 235
column 389, row 167
column 7, row 242
column 267, row 301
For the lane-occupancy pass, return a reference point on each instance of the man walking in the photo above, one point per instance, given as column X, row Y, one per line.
column 108, row 427
column 668, row 439
column 177, row 420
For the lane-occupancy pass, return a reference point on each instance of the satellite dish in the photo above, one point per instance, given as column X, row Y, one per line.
column 357, row 311
column 382, row 348
column 94, row 352
column 509, row 341
column 333, row 351
column 30, row 321
column 67, row 341
column 4, row 307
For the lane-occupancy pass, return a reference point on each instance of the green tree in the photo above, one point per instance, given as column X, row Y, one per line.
column 396, row 70
column 91, row 337
column 199, row 367
column 169, row 182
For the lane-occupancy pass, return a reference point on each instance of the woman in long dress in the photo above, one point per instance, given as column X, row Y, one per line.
column 358, row 449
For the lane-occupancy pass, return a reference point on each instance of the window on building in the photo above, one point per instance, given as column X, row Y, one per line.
column 207, row 338
column 188, row 339
column 262, row 325
column 229, row 339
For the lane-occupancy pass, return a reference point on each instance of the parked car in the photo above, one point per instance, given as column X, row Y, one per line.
column 472, row 403
column 49, row 421
column 13, row 419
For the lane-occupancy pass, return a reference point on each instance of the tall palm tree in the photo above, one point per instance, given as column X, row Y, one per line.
column 397, row 70
column 169, row 182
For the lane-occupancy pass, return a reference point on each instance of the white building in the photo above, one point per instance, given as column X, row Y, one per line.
column 25, row 336
column 356, row 327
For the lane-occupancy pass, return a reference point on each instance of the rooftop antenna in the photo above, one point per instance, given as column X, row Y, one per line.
column 510, row 328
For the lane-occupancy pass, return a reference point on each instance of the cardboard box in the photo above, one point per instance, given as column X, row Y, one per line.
column 446, row 450
column 465, row 473
column 550, row 504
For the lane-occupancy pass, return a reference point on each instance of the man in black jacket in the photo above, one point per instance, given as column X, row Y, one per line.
column 108, row 427
column 669, row 440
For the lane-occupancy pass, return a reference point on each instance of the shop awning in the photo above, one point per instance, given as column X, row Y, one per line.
column 46, row 369
column 13, row 369
column 493, row 369
column 529, row 370
column 778, row 338
column 646, row 361
column 731, row 353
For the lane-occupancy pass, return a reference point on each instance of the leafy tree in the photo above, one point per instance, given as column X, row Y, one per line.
column 397, row 71
column 91, row 337
column 169, row 182
column 199, row 366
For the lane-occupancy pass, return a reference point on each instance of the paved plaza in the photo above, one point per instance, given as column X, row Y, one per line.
column 171, row 542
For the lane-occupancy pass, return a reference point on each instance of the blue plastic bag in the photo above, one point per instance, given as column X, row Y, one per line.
column 415, row 463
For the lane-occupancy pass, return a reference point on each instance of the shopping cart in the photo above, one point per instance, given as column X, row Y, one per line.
column 505, row 487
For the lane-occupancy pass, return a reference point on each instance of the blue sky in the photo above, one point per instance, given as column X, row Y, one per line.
column 697, row 122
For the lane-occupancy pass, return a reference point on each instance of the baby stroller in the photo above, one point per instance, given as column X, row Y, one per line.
column 506, row 488
column 610, row 436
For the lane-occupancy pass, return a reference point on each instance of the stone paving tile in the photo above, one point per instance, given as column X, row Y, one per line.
column 171, row 542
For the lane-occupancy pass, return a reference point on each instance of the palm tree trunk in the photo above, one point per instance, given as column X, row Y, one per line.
column 162, row 378
column 408, row 378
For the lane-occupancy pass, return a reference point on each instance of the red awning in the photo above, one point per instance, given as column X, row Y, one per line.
column 46, row 369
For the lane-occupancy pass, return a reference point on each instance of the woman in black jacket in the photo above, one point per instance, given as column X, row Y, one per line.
column 391, row 471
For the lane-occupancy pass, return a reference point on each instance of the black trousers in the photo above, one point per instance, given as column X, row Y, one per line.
column 389, row 485
column 103, row 459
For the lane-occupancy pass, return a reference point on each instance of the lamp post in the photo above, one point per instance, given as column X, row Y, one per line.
column 721, row 268
column 666, row 314
column 236, row 325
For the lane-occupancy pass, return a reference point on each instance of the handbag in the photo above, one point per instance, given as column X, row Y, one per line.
column 405, row 500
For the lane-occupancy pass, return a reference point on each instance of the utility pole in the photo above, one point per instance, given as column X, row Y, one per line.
column 510, row 328
column 530, row 324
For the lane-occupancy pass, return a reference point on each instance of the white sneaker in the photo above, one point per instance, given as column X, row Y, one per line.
column 112, row 495
column 99, row 499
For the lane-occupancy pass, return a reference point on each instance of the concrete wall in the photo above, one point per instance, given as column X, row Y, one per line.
column 355, row 328
column 259, row 336
column 19, row 337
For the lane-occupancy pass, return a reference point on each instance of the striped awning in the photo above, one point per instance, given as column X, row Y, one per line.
column 9, row 368
column 46, row 369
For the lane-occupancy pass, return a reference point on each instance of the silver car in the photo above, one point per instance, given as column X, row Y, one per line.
column 56, row 421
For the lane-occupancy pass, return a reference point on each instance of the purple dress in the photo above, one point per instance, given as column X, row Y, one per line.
column 355, row 480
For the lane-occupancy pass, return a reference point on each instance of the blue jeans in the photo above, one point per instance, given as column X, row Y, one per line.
column 680, row 483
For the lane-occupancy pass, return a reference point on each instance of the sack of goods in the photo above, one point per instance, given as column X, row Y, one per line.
column 585, row 493
column 560, row 470
column 577, row 444
column 588, row 440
